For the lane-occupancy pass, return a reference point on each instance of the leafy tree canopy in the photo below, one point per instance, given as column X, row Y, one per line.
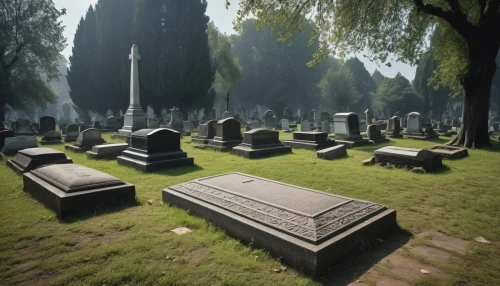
column 396, row 94
column 338, row 89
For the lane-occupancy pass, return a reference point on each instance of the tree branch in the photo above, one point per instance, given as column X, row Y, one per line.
column 456, row 20
column 16, row 57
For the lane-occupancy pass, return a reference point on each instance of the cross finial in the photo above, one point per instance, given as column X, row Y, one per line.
column 134, row 53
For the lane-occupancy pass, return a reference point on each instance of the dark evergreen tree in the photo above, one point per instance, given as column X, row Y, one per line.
column 377, row 77
column 364, row 83
column 396, row 94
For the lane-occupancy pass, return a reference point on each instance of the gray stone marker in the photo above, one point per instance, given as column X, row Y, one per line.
column 449, row 152
column 226, row 114
column 207, row 131
column 176, row 120
column 23, row 127
column 83, row 127
column 51, row 137
column 393, row 128
column 228, row 135
column 153, row 123
column 155, row 149
column 72, row 188
column 374, row 135
column 368, row 117
column 107, row 151
column 310, row 140
column 285, row 125
column 261, row 142
column 309, row 229
column 325, row 127
column 47, row 123
column 86, row 140
column 414, row 129
column 4, row 134
column 112, row 124
column 333, row 152
column 32, row 158
column 305, row 126
column 187, row 127
column 15, row 144
column 347, row 130
column 408, row 157
column 96, row 125
column 269, row 120
column 71, row 133
column 255, row 124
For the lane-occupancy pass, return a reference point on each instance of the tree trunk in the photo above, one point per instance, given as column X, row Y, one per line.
column 474, row 131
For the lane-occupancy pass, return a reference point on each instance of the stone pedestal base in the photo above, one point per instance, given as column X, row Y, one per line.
column 154, row 162
column 247, row 151
column 108, row 151
column 309, row 145
column 76, row 148
column 223, row 146
column 351, row 144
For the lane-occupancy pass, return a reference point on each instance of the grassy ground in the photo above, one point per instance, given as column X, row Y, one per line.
column 133, row 244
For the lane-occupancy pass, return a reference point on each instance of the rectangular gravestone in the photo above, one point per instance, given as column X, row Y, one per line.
column 86, row 140
column 23, row 127
column 47, row 123
column 261, row 143
column 72, row 132
column 14, row 144
column 51, row 137
column 285, row 125
column 305, row 126
column 347, row 130
column 32, row 158
column 408, row 157
column 228, row 135
column 331, row 153
column 107, row 151
column 310, row 140
column 72, row 188
column 309, row 229
column 207, row 132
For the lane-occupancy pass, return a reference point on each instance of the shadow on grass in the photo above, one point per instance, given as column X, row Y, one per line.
column 365, row 256
column 99, row 211
column 179, row 171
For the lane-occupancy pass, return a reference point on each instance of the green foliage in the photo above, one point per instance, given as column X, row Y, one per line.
column 30, row 42
column 495, row 88
column 338, row 89
column 396, row 94
column 377, row 77
column 364, row 83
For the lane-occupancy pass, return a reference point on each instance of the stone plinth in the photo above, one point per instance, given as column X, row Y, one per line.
column 310, row 140
column 309, row 229
column 155, row 149
column 228, row 135
column 449, row 152
column 347, row 130
column 107, row 151
column 72, row 188
column 408, row 157
column 207, row 132
column 51, row 137
column 86, row 140
column 332, row 153
column 32, row 158
column 261, row 142
column 4, row 134
column 15, row 144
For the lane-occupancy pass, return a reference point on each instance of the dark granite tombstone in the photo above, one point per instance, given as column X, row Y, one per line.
column 261, row 142
column 51, row 137
column 72, row 132
column 325, row 116
column 393, row 128
column 375, row 135
column 347, row 130
column 14, row 144
column 72, row 188
column 32, row 158
column 408, row 157
column 35, row 127
column 62, row 128
column 155, row 149
column 308, row 229
column 112, row 124
column 207, row 131
column 88, row 138
column 228, row 135
column 312, row 116
column 96, row 125
column 310, row 140
column 23, row 127
column 47, row 123
column 83, row 127
column 5, row 134
column 287, row 114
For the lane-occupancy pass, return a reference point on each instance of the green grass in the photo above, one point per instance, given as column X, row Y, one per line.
column 133, row 244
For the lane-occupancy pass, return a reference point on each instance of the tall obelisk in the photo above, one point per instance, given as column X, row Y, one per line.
column 135, row 118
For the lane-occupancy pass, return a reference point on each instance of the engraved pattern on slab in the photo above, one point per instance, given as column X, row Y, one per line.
column 299, row 225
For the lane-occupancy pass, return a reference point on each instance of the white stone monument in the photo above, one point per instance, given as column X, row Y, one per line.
column 414, row 123
column 285, row 125
column 135, row 118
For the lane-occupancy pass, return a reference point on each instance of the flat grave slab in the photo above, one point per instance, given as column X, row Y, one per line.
column 309, row 229
column 449, row 152
column 331, row 153
column 259, row 143
column 408, row 157
column 72, row 188
column 351, row 143
column 310, row 140
column 32, row 158
column 107, row 151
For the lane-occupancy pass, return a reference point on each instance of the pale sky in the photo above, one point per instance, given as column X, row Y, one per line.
column 222, row 18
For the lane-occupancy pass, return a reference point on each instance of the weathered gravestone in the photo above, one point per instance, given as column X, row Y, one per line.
column 261, row 142
column 308, row 229
column 83, row 127
column 393, row 128
column 242, row 112
column 47, row 123
column 72, row 188
column 285, row 125
column 207, row 131
column 449, row 152
column 408, row 157
column 155, row 149
column 51, row 137
column 5, row 134
column 347, row 130
column 32, row 158
column 414, row 128
column 14, row 144
column 23, row 127
column 112, row 124
column 269, row 120
column 96, row 125
column 374, row 135
column 305, row 126
column 107, row 151
column 226, row 114
column 287, row 114
column 86, row 140
column 62, row 129
column 176, row 121
column 153, row 123
column 325, row 127
column 333, row 152
column 228, row 135
column 187, row 127
column 255, row 124
column 72, row 132
column 310, row 140
column 368, row 117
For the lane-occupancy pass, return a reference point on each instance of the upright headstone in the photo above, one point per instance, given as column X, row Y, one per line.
column 287, row 114
column 72, row 133
column 285, row 125
column 368, row 117
column 312, row 115
column 176, row 120
column 155, row 149
column 135, row 118
column 207, row 131
column 86, row 140
column 325, row 127
column 375, row 135
column 393, row 128
column 23, row 127
column 269, row 120
column 347, row 130
column 260, row 143
column 228, row 135
column 305, row 126
column 47, row 123
column 14, row 144
column 414, row 122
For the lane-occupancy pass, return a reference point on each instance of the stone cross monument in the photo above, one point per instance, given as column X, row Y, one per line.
column 135, row 118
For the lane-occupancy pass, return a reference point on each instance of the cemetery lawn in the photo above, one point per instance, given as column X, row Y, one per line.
column 133, row 244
